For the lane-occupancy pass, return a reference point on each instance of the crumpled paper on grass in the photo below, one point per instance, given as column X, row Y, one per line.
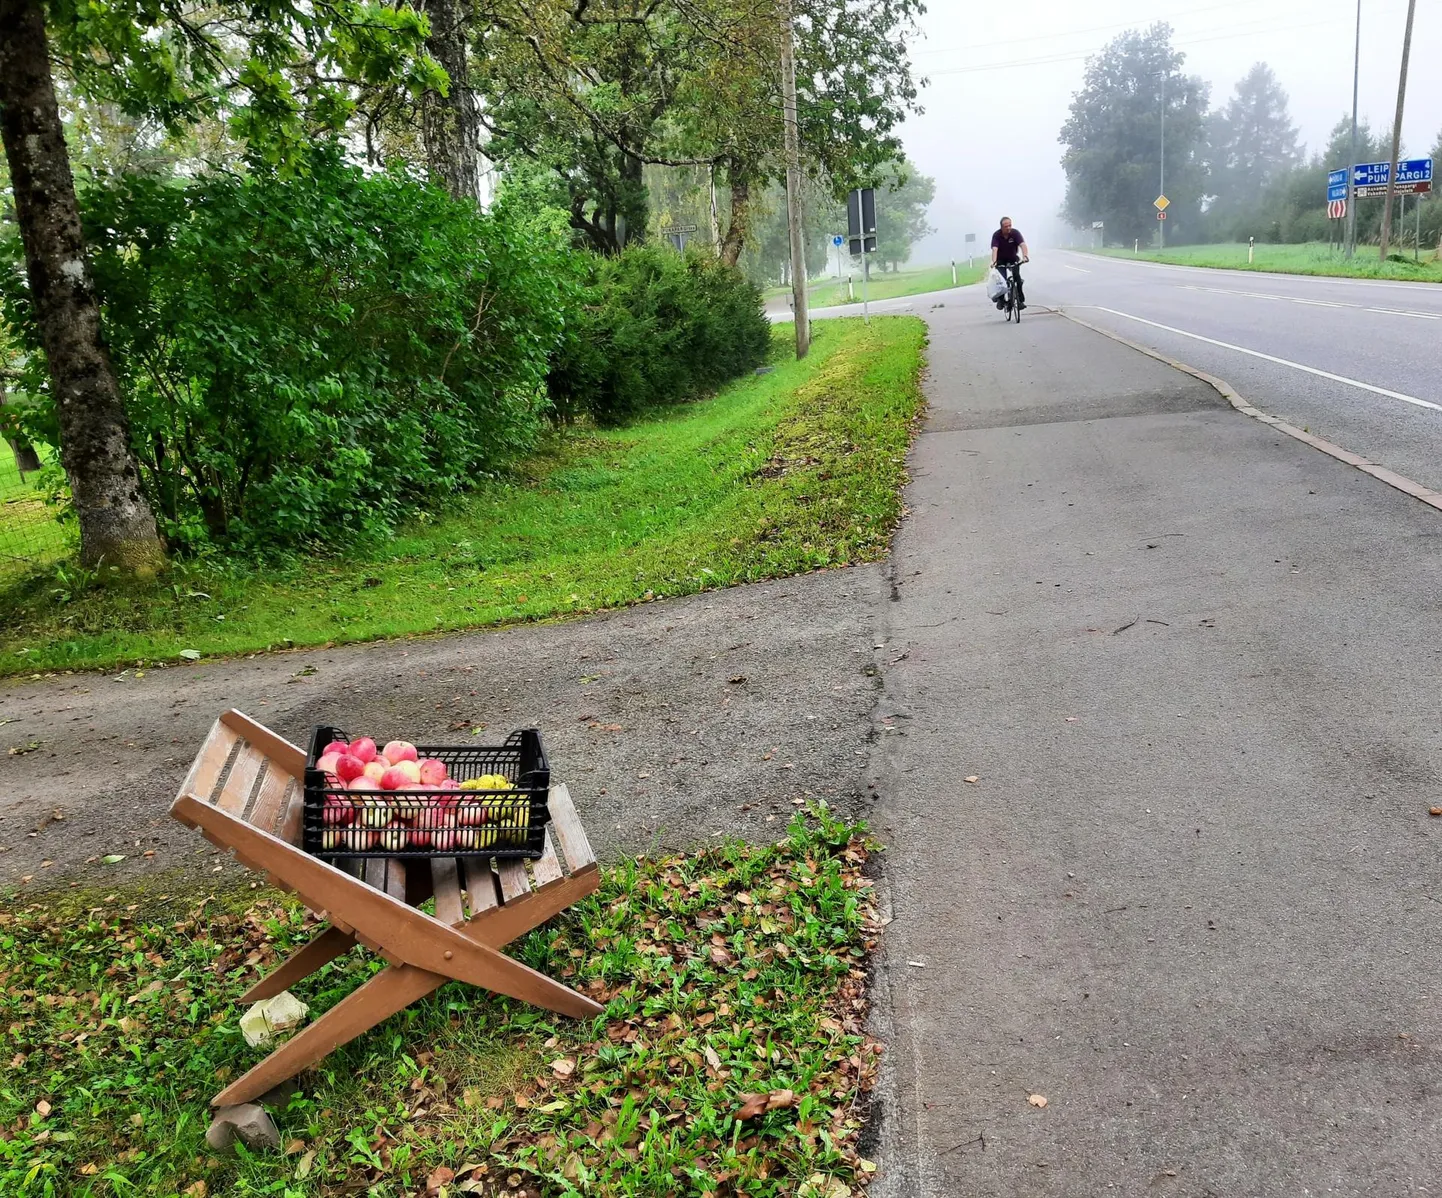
column 270, row 1017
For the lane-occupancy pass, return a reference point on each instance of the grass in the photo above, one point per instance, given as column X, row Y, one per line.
column 890, row 286
column 30, row 535
column 782, row 473
column 1309, row 259
column 729, row 975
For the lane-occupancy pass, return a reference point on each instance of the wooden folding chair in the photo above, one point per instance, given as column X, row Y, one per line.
column 244, row 793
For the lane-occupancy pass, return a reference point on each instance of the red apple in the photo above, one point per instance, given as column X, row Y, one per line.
column 327, row 762
column 332, row 839
column 359, row 840
column 433, row 772
column 420, row 838
column 400, row 750
column 337, row 810
column 410, row 769
column 382, row 760
column 363, row 784
column 365, row 749
column 348, row 766
column 443, row 840
column 470, row 813
column 337, row 747
column 395, row 779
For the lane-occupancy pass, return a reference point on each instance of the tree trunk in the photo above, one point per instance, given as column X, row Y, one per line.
column 117, row 527
column 451, row 124
column 27, row 461
column 735, row 240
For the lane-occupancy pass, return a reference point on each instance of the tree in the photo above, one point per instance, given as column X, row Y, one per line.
column 1113, row 137
column 450, row 116
column 1253, row 144
column 903, row 195
column 297, row 66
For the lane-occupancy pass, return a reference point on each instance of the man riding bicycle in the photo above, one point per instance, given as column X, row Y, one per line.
column 1008, row 250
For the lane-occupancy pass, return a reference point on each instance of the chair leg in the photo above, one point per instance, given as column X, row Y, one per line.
column 387, row 992
column 305, row 961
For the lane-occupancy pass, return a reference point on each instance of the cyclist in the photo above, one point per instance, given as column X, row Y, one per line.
column 1008, row 248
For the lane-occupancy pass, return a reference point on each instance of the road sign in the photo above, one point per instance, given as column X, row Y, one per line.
column 861, row 221
column 1096, row 224
column 1161, row 216
column 1410, row 170
column 970, row 237
column 1161, row 203
column 1337, row 185
column 837, row 240
column 1336, row 209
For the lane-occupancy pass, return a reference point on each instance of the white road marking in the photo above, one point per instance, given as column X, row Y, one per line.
column 1253, row 353
column 1329, row 280
column 1078, row 269
column 1295, row 299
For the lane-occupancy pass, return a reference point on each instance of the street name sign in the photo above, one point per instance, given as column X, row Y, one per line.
column 1410, row 170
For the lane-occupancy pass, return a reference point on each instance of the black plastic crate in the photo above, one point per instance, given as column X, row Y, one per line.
column 418, row 824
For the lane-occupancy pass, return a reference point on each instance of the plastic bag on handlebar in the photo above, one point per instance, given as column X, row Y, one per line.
column 995, row 285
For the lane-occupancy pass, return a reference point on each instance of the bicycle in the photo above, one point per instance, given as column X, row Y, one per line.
column 1013, row 302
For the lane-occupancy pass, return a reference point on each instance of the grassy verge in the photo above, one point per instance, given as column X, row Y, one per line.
column 728, row 975
column 894, row 286
column 781, row 473
column 1309, row 259
column 30, row 536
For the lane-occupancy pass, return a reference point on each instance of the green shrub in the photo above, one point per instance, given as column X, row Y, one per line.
column 314, row 357
column 656, row 327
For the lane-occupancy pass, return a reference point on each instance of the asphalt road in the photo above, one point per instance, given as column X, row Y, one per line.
column 1378, row 336
column 1161, row 734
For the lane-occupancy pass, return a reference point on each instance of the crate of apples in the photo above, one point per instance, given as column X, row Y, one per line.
column 365, row 799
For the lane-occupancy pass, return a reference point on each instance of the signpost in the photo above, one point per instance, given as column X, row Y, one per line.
column 1337, row 185
column 861, row 232
column 837, row 242
column 1414, row 176
column 1098, row 227
column 970, row 249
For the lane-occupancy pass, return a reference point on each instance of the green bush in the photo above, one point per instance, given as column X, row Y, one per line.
column 311, row 358
column 656, row 327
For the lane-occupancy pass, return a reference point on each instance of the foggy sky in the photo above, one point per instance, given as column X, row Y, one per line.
column 1002, row 77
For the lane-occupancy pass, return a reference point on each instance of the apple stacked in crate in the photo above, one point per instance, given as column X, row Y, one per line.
column 395, row 801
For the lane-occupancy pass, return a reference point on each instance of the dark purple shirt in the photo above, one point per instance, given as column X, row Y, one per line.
column 1008, row 244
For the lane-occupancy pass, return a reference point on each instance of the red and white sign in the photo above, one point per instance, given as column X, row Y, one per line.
column 1336, row 209
column 1161, row 216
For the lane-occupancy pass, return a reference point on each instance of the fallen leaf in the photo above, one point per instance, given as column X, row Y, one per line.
column 1435, row 811
column 89, row 1169
column 112, row 858
column 752, row 1105
column 779, row 1100
column 439, row 1176
column 563, row 1067
column 1037, row 1100
column 712, row 1059
column 972, row 778
column 306, row 1163
column 190, row 654
column 197, row 1190
column 42, row 1108
column 294, row 1146
column 720, row 957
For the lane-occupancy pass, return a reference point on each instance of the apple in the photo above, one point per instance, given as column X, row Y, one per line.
column 332, row 839
column 420, row 838
column 365, row 749
column 348, row 766
column 337, row 810
column 359, row 840
column 383, row 761
column 443, row 840
column 395, row 778
column 363, row 785
column 471, row 814
column 337, row 747
column 392, row 838
column 410, row 769
column 433, row 772
column 400, row 750
column 327, row 762
column 376, row 811
column 375, row 771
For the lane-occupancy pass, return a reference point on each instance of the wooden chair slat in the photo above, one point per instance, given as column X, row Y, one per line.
column 547, row 868
column 209, row 763
column 270, row 798
column 481, row 886
column 374, row 874
column 396, row 879
column 514, row 882
column 286, row 755
column 567, row 826
column 234, row 796
column 447, row 878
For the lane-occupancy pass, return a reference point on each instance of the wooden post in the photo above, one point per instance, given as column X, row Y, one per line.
column 793, row 182
column 1397, row 133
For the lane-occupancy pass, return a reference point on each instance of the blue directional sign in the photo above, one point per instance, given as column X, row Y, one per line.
column 837, row 240
column 1410, row 170
column 1337, row 185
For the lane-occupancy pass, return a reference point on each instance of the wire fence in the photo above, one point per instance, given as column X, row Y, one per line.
column 31, row 534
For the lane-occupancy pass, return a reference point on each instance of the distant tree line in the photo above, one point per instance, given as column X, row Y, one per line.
column 1231, row 173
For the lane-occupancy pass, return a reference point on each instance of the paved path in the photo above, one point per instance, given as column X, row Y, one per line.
column 1193, row 896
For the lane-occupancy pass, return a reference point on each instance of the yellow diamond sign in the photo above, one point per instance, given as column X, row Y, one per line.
column 1161, row 203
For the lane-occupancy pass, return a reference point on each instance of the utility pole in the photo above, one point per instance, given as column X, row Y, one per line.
column 1162, row 168
column 1397, row 132
column 793, row 183
column 1352, row 164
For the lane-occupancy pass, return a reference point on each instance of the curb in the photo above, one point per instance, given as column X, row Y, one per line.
column 1406, row 485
